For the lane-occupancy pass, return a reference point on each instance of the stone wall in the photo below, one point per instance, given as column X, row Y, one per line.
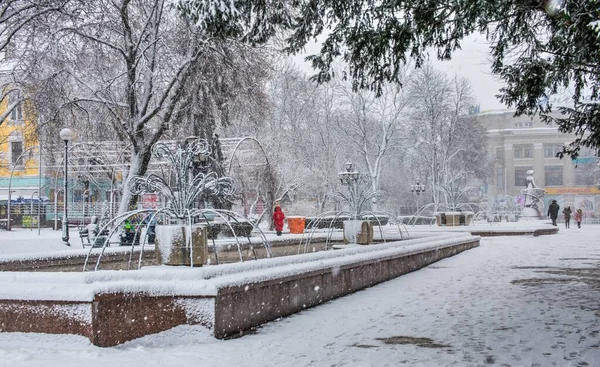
column 240, row 308
column 110, row 318
column 110, row 261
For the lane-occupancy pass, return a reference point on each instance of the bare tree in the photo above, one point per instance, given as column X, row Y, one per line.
column 134, row 63
column 374, row 126
column 449, row 143
column 15, row 15
column 306, row 144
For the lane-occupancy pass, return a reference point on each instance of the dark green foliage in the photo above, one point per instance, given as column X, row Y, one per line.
column 213, row 231
column 537, row 49
column 252, row 22
column 325, row 222
column 241, row 229
column 417, row 220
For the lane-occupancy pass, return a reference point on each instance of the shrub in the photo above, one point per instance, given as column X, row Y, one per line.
column 377, row 219
column 212, row 231
column 418, row 220
column 325, row 222
column 241, row 229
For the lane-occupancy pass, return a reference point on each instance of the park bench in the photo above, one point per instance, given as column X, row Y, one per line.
column 98, row 239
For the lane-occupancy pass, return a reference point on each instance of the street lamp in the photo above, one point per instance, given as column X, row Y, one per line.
column 31, row 209
column 417, row 189
column 8, row 209
column 56, row 191
column 348, row 177
column 66, row 134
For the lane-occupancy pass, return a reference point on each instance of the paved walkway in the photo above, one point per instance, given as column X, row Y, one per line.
column 514, row 301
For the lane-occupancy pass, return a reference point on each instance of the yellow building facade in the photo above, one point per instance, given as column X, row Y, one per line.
column 19, row 147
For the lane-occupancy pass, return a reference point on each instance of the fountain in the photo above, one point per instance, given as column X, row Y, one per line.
column 357, row 223
column 183, row 236
column 112, row 307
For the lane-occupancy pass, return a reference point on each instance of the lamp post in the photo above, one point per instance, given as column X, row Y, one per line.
column 66, row 134
column 31, row 209
column 417, row 189
column 86, row 195
column 56, row 191
column 8, row 208
column 349, row 178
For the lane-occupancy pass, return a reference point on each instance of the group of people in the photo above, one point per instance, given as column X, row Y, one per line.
column 553, row 209
column 128, row 234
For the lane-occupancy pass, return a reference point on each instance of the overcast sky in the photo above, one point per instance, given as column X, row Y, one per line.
column 471, row 62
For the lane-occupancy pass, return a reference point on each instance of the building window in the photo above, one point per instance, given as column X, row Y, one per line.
column 500, row 153
column 584, row 175
column 523, row 150
column 16, row 115
column 16, row 153
column 500, row 178
column 521, row 176
column 553, row 175
column 550, row 150
column 587, row 152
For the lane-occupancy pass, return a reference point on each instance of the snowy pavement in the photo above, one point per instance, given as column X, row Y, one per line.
column 513, row 301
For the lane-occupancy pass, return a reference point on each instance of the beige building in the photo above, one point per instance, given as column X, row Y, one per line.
column 519, row 144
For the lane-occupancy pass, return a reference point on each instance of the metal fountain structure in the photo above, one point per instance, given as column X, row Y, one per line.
column 181, row 200
column 454, row 200
column 357, row 194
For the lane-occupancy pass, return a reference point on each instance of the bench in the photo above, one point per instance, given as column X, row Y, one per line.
column 98, row 239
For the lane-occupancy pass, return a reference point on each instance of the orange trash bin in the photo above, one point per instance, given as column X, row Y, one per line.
column 296, row 224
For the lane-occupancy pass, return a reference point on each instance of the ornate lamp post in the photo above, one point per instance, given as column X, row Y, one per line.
column 417, row 189
column 31, row 209
column 350, row 178
column 8, row 209
column 66, row 134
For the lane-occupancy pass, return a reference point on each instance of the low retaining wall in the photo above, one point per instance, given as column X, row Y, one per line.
column 240, row 308
column 518, row 232
column 113, row 307
column 110, row 261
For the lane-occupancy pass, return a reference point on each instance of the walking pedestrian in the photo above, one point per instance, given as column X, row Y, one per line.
column 553, row 211
column 278, row 218
column 579, row 217
column 567, row 213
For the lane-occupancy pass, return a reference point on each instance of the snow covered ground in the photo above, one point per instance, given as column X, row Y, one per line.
column 518, row 301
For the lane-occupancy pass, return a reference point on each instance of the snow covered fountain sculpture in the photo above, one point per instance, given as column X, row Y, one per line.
column 533, row 195
column 182, row 238
column 358, row 223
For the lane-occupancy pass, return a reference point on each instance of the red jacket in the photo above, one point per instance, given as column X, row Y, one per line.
column 278, row 218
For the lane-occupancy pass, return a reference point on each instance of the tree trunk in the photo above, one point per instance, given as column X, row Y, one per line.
column 138, row 167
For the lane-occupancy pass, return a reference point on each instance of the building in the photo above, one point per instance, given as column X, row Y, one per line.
column 19, row 147
column 520, row 144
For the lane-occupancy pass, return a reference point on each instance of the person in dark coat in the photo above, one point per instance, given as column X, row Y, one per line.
column 278, row 218
column 567, row 213
column 553, row 211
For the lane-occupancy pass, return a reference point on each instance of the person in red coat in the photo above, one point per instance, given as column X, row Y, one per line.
column 278, row 218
